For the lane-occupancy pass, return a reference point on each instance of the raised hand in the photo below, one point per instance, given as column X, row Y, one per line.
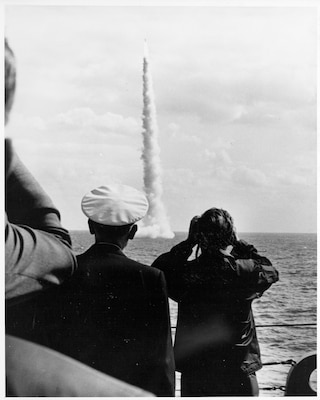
column 193, row 231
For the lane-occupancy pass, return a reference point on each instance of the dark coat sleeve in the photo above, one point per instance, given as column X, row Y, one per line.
column 255, row 271
column 255, row 276
column 172, row 264
column 37, row 248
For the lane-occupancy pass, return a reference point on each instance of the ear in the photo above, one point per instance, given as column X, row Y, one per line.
column 132, row 232
column 90, row 226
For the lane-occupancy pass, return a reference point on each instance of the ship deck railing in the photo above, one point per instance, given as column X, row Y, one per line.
column 290, row 362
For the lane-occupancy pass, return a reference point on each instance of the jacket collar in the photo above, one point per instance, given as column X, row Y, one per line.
column 109, row 248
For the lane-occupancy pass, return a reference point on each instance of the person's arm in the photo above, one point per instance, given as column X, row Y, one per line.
column 34, row 260
column 243, row 250
column 255, row 271
column 172, row 263
column 37, row 248
column 36, row 371
column 26, row 202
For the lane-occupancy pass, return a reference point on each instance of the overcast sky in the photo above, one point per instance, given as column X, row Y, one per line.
column 235, row 92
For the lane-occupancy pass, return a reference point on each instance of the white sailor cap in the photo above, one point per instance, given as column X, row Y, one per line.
column 115, row 205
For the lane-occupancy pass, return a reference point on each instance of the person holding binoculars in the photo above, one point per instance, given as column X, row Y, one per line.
column 216, row 346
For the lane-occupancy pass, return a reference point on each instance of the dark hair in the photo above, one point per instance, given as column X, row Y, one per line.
column 10, row 79
column 216, row 230
column 112, row 231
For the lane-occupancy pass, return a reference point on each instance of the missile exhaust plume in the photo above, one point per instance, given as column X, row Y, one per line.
column 155, row 223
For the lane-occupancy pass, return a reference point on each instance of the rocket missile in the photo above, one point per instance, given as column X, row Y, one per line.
column 145, row 49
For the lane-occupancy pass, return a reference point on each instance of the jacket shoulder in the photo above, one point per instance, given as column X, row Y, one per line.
column 94, row 260
column 144, row 269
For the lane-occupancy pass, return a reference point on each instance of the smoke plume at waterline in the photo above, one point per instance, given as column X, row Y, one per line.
column 156, row 223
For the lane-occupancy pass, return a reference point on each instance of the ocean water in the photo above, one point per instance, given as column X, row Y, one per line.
column 291, row 301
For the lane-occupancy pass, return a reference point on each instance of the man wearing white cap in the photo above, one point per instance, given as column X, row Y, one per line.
column 113, row 313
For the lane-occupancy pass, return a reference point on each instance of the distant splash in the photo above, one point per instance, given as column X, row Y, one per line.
column 155, row 223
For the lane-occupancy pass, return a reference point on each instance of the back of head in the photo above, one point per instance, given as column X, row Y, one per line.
column 110, row 232
column 10, row 79
column 216, row 230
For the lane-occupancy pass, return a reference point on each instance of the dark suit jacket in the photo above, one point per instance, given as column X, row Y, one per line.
column 112, row 315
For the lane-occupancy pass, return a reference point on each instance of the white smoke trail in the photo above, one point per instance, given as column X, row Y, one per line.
column 155, row 223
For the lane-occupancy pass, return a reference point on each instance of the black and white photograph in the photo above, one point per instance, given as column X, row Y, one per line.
column 160, row 198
